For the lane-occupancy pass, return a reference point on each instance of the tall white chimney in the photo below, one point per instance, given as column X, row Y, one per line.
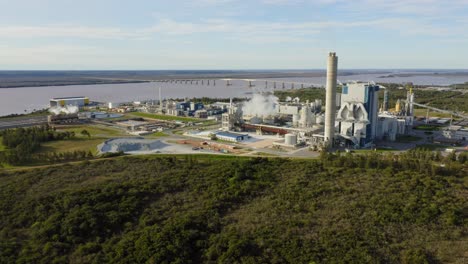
column 330, row 103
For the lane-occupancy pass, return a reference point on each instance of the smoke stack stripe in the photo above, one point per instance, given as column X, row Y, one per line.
column 330, row 114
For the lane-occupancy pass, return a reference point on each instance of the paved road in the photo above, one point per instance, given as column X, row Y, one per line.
column 22, row 122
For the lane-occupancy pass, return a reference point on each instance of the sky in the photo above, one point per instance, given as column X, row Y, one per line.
column 232, row 34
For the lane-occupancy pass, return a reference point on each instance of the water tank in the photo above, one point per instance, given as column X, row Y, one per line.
column 290, row 139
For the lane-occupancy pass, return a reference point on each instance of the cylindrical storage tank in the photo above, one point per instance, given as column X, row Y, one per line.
column 290, row 139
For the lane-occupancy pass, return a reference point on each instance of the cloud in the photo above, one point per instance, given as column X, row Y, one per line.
column 270, row 31
column 64, row 31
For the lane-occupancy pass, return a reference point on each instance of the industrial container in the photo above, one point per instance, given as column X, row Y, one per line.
column 290, row 139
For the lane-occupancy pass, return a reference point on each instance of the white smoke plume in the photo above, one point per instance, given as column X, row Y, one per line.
column 68, row 109
column 260, row 105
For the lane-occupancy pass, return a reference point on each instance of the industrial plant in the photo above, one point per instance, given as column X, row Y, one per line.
column 352, row 118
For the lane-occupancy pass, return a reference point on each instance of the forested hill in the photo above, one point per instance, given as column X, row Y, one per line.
column 195, row 209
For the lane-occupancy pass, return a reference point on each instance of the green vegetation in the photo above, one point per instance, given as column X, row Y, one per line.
column 379, row 149
column 75, row 144
column 369, row 208
column 2, row 147
column 158, row 134
column 42, row 112
column 264, row 154
column 460, row 86
column 431, row 146
column 22, row 143
column 449, row 100
column 422, row 112
column 167, row 117
column 304, row 94
column 95, row 131
column 46, row 145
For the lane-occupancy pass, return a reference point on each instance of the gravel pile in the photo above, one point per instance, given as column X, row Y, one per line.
column 132, row 145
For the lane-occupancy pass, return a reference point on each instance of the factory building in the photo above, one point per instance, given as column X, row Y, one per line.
column 230, row 136
column 357, row 117
column 183, row 108
column 64, row 101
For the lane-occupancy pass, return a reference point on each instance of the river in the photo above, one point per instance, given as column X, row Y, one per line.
column 26, row 99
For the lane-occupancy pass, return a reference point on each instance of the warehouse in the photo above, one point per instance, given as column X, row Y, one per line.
column 64, row 101
column 229, row 136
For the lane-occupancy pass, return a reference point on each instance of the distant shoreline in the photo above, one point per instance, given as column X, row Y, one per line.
column 22, row 79
column 66, row 84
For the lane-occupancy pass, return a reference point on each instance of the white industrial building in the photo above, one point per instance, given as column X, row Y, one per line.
column 357, row 117
column 74, row 101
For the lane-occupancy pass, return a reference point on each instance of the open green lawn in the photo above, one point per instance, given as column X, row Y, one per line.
column 95, row 131
column 423, row 112
column 82, row 143
column 78, row 144
column 167, row 117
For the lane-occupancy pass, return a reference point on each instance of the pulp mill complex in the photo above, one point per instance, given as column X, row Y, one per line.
column 351, row 116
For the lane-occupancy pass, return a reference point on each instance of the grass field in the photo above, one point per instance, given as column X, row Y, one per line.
column 82, row 143
column 95, row 131
column 78, row 144
column 423, row 112
column 167, row 117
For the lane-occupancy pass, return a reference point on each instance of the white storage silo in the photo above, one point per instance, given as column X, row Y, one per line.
column 290, row 139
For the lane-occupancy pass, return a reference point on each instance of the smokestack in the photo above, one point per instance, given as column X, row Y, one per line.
column 330, row 110
column 160, row 100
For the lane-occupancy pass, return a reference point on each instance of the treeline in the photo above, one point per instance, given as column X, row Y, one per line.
column 22, row 143
column 372, row 208
column 424, row 161
column 450, row 100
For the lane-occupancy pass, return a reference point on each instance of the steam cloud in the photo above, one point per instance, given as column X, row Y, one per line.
column 260, row 105
column 69, row 109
